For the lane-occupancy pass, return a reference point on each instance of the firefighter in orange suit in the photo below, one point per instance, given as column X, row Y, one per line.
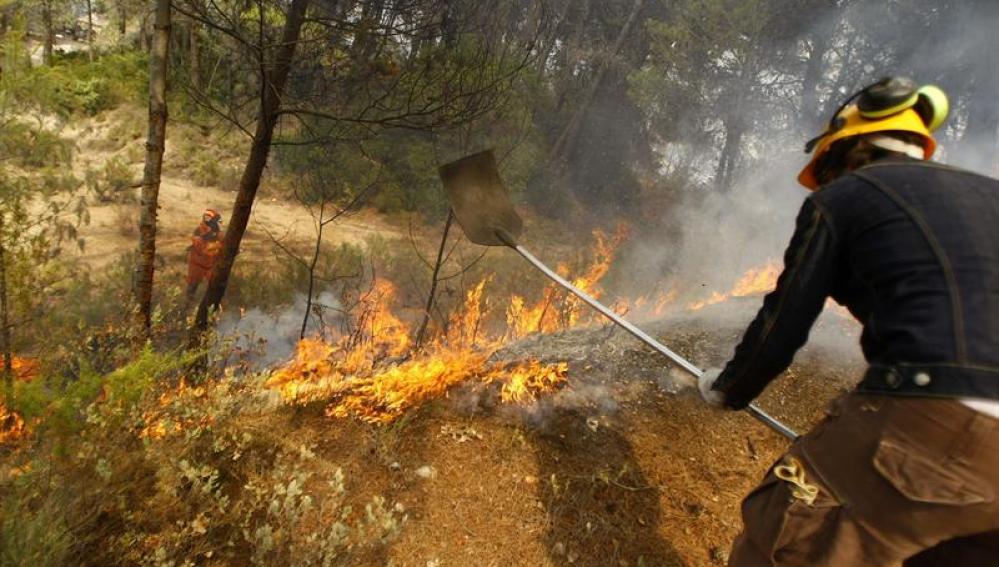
column 206, row 242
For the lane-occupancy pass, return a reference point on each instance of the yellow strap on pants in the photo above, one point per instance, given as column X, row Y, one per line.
column 791, row 471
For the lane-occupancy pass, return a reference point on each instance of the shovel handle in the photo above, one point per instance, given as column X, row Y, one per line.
column 641, row 335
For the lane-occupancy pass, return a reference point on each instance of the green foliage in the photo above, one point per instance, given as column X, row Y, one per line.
column 73, row 87
column 76, row 86
column 59, row 407
column 184, row 476
column 31, row 535
column 275, row 282
column 30, row 146
column 113, row 183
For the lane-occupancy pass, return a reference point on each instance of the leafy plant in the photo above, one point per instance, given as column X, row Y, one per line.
column 112, row 184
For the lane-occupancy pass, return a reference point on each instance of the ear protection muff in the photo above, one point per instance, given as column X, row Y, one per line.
column 888, row 97
column 932, row 106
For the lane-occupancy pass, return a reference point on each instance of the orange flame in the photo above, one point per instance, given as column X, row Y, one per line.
column 557, row 310
column 160, row 424
column 757, row 280
column 754, row 281
column 355, row 378
column 713, row 299
column 25, row 369
column 12, row 426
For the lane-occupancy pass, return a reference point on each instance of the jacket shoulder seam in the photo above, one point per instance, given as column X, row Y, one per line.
column 957, row 313
column 826, row 216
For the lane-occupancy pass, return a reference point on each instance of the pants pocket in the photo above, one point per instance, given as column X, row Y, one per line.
column 785, row 529
column 921, row 477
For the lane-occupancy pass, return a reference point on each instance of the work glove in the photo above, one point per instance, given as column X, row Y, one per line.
column 714, row 398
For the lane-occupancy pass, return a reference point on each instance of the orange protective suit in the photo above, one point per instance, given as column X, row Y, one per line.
column 205, row 248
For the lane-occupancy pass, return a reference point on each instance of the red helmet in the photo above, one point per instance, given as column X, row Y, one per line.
column 211, row 215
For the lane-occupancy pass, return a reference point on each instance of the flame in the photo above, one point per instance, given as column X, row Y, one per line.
column 527, row 380
column 12, row 426
column 755, row 281
column 713, row 299
column 374, row 374
column 557, row 309
column 358, row 376
column 160, row 424
column 25, row 369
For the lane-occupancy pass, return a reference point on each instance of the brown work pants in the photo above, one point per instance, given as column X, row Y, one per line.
column 896, row 476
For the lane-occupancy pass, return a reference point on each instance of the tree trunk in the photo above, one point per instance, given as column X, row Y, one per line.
column 6, row 348
column 195, row 55
column 729, row 159
column 146, row 257
column 810, row 118
column 545, row 47
column 563, row 143
column 90, row 30
column 272, row 89
column 122, row 17
column 49, row 32
column 547, row 189
column 819, row 40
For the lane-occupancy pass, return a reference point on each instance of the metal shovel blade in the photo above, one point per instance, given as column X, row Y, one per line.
column 480, row 201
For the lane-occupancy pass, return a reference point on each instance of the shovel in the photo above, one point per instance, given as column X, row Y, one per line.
column 483, row 208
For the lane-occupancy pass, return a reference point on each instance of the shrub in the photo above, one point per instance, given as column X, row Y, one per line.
column 187, row 475
column 76, row 86
column 272, row 283
column 33, row 146
column 33, row 535
column 113, row 183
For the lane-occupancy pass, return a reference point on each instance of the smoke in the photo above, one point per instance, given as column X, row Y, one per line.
column 711, row 237
column 264, row 338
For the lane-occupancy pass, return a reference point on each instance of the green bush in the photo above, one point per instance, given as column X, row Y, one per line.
column 76, row 86
column 113, row 183
column 59, row 406
column 33, row 535
column 274, row 283
column 187, row 475
column 30, row 146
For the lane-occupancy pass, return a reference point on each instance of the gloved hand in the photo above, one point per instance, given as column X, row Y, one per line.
column 713, row 398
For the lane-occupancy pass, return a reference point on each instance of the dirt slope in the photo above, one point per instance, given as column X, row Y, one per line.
column 622, row 467
column 112, row 229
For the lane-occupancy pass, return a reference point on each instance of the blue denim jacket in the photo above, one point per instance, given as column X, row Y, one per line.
column 911, row 248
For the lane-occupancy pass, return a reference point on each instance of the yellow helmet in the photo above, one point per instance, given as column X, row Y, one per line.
column 891, row 104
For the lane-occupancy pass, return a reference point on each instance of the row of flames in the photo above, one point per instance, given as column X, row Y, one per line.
column 377, row 375
column 374, row 373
